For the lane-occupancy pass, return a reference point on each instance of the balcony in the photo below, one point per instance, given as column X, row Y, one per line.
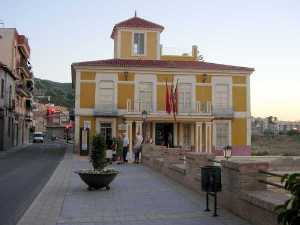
column 108, row 109
column 222, row 111
column 25, row 67
column 200, row 108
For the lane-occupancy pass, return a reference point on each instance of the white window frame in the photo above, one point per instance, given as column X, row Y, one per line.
column 151, row 78
column 215, row 123
column 133, row 53
column 184, row 99
column 226, row 80
column 188, row 79
column 145, row 83
column 113, row 122
column 106, row 77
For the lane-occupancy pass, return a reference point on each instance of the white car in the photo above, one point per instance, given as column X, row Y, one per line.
column 38, row 137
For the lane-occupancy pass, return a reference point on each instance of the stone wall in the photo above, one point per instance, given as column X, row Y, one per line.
column 242, row 192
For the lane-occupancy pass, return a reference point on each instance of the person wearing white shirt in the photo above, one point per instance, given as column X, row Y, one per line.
column 138, row 147
column 125, row 147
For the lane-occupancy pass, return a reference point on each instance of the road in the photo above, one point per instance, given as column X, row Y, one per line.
column 22, row 176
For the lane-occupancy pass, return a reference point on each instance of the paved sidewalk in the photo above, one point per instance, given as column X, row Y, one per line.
column 138, row 196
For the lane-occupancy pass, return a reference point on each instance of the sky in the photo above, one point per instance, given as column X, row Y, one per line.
column 260, row 34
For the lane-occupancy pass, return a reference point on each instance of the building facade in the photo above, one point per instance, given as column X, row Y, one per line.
column 7, row 107
column 14, row 55
column 213, row 99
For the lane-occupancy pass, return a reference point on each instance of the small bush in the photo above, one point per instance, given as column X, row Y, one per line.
column 289, row 212
column 98, row 152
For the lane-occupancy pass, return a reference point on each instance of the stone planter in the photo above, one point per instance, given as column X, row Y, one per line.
column 97, row 179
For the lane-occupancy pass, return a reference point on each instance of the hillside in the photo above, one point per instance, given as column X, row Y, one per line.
column 61, row 93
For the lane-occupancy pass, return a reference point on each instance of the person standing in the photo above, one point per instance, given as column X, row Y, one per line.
column 125, row 147
column 138, row 147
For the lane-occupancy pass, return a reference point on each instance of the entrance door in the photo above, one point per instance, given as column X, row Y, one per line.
column 106, row 131
column 164, row 134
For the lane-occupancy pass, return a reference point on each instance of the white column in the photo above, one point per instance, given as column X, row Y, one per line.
column 153, row 132
column 192, row 134
column 175, row 134
column 180, row 134
column 139, row 127
column 208, row 136
column 198, row 137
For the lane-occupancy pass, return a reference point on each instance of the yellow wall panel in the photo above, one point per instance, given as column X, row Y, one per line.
column 92, row 121
column 151, row 45
column 239, row 95
column 87, row 75
column 164, row 77
column 87, row 95
column 126, row 44
column 239, row 79
column 130, row 77
column 203, row 93
column 126, row 91
column 203, row 79
column 239, row 131
column 161, row 97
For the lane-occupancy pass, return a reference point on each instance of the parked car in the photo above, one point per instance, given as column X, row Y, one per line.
column 38, row 137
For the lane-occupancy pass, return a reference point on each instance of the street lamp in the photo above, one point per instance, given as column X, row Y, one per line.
column 144, row 117
column 227, row 152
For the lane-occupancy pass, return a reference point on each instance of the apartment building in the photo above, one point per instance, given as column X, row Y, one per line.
column 14, row 56
column 112, row 94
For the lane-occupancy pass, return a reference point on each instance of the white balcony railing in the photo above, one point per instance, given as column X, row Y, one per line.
column 197, row 108
column 106, row 108
column 222, row 111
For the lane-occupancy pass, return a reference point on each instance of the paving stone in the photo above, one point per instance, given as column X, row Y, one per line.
column 138, row 196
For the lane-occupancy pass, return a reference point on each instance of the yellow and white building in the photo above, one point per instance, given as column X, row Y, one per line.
column 110, row 95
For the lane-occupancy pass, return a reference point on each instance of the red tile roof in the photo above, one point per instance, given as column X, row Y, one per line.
column 193, row 65
column 136, row 22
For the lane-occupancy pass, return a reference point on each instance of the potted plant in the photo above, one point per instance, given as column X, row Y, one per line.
column 289, row 212
column 99, row 176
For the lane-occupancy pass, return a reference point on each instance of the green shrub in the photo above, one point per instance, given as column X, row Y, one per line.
column 289, row 212
column 98, row 153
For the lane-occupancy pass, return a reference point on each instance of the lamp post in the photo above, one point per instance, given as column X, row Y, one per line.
column 144, row 118
column 227, row 152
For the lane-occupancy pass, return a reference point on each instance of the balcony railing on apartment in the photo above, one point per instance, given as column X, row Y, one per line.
column 106, row 109
column 26, row 67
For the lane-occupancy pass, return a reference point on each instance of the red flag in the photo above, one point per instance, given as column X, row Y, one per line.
column 168, row 105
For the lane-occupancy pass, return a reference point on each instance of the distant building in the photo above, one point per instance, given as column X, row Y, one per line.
column 271, row 125
column 14, row 55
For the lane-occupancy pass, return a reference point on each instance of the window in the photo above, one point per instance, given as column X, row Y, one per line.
column 106, row 131
column 2, row 88
column 187, row 135
column 222, row 96
column 106, row 96
column 138, row 44
column 10, row 96
column 145, row 96
column 222, row 135
column 185, row 97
